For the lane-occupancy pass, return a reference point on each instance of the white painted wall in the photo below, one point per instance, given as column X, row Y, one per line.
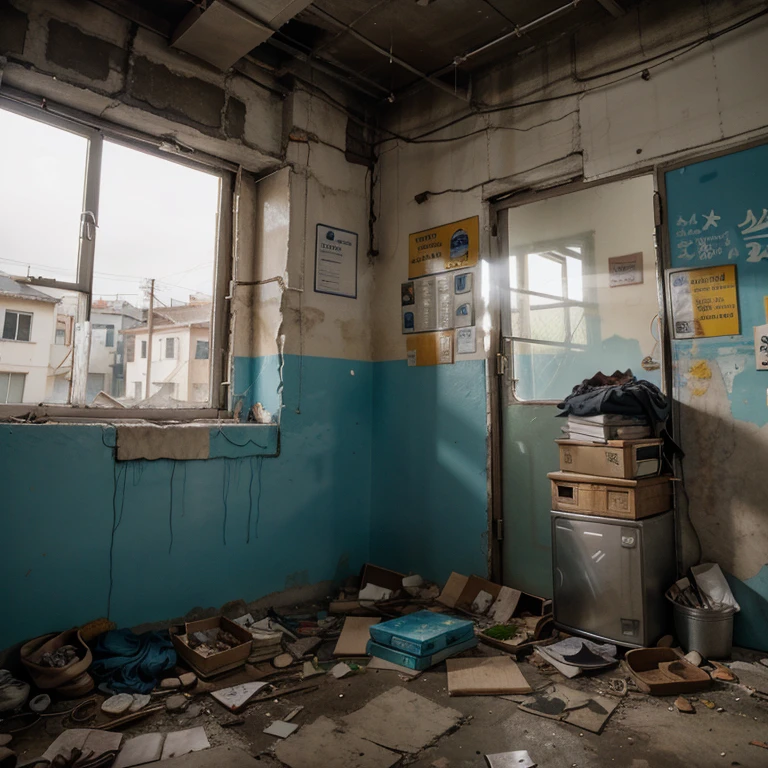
column 30, row 357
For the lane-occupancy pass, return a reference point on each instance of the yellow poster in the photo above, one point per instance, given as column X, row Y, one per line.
column 705, row 302
column 430, row 348
column 451, row 246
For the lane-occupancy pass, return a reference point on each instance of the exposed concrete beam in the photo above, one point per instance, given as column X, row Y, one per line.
column 613, row 7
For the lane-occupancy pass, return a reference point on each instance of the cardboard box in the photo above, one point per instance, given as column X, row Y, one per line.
column 226, row 659
column 625, row 459
column 381, row 577
column 610, row 497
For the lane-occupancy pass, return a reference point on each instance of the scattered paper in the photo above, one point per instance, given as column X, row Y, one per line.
column 237, row 696
column 490, row 676
column 355, row 636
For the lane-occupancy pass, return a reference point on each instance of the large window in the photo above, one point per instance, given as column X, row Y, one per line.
column 126, row 241
column 12, row 387
column 17, row 326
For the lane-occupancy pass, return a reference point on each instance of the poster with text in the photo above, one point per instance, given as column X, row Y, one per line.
column 335, row 261
column 704, row 302
column 440, row 249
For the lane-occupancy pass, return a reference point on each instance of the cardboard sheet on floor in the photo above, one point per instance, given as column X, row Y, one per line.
column 86, row 739
column 491, row 676
column 140, row 750
column 567, row 670
column 325, row 743
column 355, row 636
column 402, row 720
column 588, row 711
column 473, row 590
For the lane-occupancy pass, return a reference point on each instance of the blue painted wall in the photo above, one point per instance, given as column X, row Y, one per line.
column 308, row 511
column 717, row 215
column 429, row 496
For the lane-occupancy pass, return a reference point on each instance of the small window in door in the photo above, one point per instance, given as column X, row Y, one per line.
column 143, row 350
column 565, row 319
column 170, row 348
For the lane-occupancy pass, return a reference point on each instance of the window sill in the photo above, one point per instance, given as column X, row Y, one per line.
column 140, row 439
column 18, row 341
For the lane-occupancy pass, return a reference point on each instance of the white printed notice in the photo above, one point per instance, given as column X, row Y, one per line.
column 335, row 261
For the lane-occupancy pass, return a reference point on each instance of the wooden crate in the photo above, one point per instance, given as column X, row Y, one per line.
column 625, row 459
column 609, row 496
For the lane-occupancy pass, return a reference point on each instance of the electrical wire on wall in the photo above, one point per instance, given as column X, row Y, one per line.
column 225, row 498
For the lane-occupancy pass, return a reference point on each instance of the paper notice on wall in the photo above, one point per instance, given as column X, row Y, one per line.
column 430, row 348
column 625, row 270
column 761, row 347
column 466, row 341
column 335, row 261
column 704, row 302
column 437, row 303
column 463, row 300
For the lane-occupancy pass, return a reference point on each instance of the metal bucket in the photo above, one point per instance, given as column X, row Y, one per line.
column 706, row 631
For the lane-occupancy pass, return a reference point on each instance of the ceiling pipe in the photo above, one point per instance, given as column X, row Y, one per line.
column 404, row 64
column 316, row 62
column 518, row 31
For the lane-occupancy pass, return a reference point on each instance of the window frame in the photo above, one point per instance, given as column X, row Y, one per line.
column 18, row 314
column 97, row 132
column 9, row 374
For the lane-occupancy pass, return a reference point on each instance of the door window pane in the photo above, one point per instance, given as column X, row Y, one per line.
column 12, row 387
column 9, row 326
column 43, row 171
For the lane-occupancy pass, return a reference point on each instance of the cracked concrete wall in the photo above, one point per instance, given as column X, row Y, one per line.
column 88, row 58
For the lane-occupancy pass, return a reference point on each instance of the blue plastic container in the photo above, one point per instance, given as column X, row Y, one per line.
column 418, row 662
column 422, row 633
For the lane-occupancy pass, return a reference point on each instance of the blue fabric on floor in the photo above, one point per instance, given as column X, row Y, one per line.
column 130, row 663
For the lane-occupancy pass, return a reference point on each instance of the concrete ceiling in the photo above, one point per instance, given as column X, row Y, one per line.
column 385, row 47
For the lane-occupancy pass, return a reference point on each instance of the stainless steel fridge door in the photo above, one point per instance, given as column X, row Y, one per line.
column 598, row 577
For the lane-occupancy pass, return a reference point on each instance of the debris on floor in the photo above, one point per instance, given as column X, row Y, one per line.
column 237, row 681
column 402, row 720
column 517, row 759
column 491, row 676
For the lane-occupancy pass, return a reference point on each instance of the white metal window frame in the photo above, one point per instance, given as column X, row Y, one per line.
column 5, row 391
column 18, row 314
column 96, row 132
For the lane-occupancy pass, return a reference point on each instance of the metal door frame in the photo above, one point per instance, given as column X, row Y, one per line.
column 497, row 363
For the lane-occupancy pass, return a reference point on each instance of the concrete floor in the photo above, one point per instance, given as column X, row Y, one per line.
column 641, row 733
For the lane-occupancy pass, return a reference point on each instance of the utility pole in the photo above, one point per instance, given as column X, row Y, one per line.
column 150, row 319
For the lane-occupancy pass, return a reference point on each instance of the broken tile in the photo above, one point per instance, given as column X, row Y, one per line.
column 355, row 636
column 183, row 742
column 402, row 720
column 140, row 700
column 218, row 757
column 295, row 711
column 281, row 729
column 518, row 759
column 308, row 670
column 140, row 750
column 341, row 670
column 325, row 743
column 176, row 703
column 117, row 705
column 683, row 705
column 188, row 679
column 237, row 696
column 304, row 647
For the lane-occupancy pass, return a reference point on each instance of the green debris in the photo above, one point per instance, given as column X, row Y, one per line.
column 502, row 631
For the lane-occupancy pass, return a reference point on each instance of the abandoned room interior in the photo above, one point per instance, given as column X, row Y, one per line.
column 383, row 383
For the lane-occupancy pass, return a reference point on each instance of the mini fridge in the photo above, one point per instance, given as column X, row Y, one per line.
column 610, row 576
